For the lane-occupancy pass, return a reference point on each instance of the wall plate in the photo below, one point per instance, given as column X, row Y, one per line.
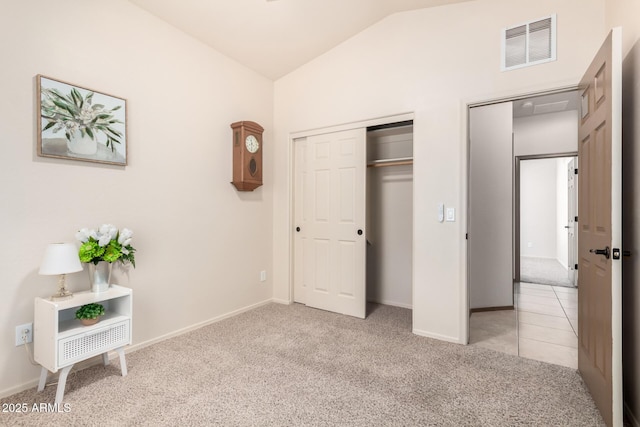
column 19, row 329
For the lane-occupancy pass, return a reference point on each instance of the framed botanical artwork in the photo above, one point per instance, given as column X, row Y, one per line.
column 80, row 124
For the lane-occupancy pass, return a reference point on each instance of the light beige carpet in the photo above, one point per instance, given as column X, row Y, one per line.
column 544, row 271
column 295, row 366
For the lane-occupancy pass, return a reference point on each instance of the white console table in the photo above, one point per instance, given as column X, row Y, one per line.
column 60, row 340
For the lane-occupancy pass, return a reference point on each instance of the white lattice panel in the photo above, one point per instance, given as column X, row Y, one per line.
column 82, row 346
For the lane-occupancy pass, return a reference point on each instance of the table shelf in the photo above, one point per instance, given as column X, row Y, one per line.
column 60, row 340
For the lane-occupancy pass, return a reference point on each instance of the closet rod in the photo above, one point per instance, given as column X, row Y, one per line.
column 390, row 162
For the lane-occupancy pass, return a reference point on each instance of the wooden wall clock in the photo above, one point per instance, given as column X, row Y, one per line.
column 247, row 155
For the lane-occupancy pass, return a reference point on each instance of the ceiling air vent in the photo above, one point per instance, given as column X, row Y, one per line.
column 530, row 43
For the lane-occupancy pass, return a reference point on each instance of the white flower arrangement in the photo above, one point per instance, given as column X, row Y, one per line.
column 106, row 243
column 72, row 113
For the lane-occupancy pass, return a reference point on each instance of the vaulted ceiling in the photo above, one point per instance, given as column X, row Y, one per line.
column 274, row 37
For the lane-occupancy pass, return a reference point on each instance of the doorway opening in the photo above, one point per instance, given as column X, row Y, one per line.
column 508, row 140
column 545, row 251
column 599, row 147
column 546, row 214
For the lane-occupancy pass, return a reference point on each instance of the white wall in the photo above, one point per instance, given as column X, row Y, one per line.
column 546, row 134
column 430, row 62
column 200, row 243
column 626, row 13
column 538, row 207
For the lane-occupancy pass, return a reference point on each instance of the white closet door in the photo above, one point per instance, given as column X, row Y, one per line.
column 490, row 246
column 330, row 215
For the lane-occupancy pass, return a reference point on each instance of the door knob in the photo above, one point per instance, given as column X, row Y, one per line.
column 298, row 229
column 606, row 252
column 360, row 232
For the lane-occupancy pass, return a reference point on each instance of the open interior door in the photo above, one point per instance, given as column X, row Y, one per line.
column 490, row 226
column 330, row 242
column 600, row 230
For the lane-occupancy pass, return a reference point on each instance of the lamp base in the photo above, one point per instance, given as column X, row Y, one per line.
column 62, row 296
column 63, row 293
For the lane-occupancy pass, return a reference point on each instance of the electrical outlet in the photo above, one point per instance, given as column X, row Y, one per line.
column 27, row 330
column 263, row 276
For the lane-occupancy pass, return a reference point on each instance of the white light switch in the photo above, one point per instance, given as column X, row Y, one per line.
column 451, row 214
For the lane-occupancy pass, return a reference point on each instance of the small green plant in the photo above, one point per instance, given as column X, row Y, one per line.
column 90, row 311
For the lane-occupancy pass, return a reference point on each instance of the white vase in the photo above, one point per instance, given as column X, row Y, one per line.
column 100, row 276
column 82, row 144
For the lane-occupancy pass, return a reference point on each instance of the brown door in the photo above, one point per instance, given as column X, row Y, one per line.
column 599, row 225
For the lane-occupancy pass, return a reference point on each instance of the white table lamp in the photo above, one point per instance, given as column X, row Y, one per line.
column 60, row 258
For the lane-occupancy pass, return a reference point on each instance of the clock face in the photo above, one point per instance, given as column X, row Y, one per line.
column 252, row 144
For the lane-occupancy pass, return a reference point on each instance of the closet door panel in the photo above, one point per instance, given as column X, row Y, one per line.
column 321, row 270
column 347, row 207
column 305, row 269
column 334, row 196
column 490, row 246
column 346, row 273
column 322, row 200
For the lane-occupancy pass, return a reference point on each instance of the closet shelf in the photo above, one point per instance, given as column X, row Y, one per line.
column 390, row 162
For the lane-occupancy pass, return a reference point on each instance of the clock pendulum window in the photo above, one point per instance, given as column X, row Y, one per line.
column 247, row 155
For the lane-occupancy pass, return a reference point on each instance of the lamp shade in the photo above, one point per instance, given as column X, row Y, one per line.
column 60, row 258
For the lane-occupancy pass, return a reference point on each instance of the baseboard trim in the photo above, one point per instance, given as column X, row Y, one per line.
column 281, row 301
column 95, row 360
column 134, row 347
column 195, row 326
column 392, row 303
column 20, row 387
column 436, row 336
column 481, row 309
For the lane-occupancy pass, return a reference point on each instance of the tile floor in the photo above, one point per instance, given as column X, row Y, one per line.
column 544, row 325
column 547, row 323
